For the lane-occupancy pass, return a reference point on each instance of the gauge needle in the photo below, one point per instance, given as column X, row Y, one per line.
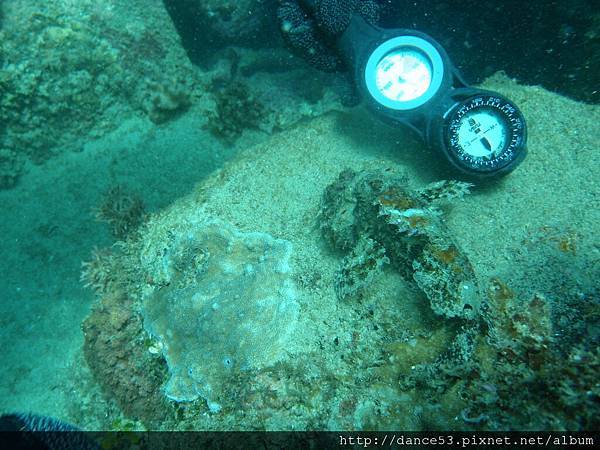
column 486, row 143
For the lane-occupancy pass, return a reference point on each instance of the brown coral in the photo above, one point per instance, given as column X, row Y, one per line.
column 125, row 369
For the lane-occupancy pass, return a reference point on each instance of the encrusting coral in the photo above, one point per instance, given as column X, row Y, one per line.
column 229, row 306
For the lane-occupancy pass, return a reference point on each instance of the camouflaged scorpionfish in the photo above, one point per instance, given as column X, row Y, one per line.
column 376, row 211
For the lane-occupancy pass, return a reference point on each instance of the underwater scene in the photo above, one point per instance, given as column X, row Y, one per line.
column 291, row 215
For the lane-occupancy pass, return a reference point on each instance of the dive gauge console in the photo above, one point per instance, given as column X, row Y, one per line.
column 407, row 78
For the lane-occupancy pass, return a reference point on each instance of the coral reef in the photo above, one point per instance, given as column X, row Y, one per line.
column 71, row 70
column 521, row 369
column 379, row 206
column 380, row 355
column 67, row 64
column 229, row 306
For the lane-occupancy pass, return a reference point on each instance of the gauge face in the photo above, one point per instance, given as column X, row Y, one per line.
column 482, row 133
column 485, row 134
column 404, row 74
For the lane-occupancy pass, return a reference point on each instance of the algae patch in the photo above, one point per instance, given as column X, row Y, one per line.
column 229, row 305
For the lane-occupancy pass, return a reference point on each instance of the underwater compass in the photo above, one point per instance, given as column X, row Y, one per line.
column 407, row 78
column 485, row 134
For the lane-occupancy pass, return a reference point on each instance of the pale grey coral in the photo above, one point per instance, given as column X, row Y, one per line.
column 229, row 306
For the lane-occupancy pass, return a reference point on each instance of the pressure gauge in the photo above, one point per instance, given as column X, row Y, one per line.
column 404, row 72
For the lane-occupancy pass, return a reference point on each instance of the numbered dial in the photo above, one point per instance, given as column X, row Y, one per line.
column 485, row 134
column 404, row 75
